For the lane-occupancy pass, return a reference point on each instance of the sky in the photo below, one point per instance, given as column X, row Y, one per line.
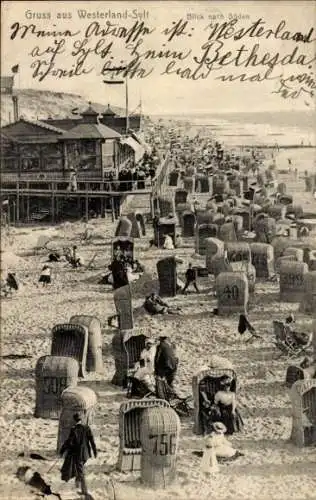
column 161, row 93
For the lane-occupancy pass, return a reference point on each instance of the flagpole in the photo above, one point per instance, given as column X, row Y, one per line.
column 126, row 105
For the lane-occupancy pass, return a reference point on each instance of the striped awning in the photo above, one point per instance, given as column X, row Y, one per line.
column 138, row 148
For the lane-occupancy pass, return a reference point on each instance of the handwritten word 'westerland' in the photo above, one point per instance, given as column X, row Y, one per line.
column 257, row 29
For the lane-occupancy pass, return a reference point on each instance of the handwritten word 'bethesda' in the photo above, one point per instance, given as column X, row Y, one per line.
column 256, row 30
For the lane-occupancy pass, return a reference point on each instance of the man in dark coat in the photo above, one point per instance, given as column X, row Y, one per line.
column 119, row 273
column 190, row 278
column 166, row 361
column 78, row 450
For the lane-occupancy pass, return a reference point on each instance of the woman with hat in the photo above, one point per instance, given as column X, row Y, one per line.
column 148, row 354
column 217, row 446
column 225, row 400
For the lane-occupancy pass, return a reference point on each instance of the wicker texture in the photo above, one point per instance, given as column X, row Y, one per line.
column 129, row 431
column 166, row 206
column 167, row 275
column 238, row 223
column 277, row 211
column 188, row 184
column 265, row 227
column 227, row 232
column 180, row 196
column 53, row 374
column 303, row 399
column 71, row 341
column 135, row 232
column 204, row 216
column 248, row 269
column 308, row 304
column 124, row 244
column 160, row 430
column 244, row 214
column 297, row 252
column 208, row 380
column 312, row 260
column 124, row 227
column 202, row 184
column 141, row 223
column 173, row 178
column 126, row 349
column 165, row 227
column 238, row 252
column 220, row 184
column 211, row 205
column 203, row 232
column 80, row 400
column 123, row 304
column 236, row 185
column 281, row 188
column 314, row 336
column 94, row 352
column 188, row 221
column 214, row 249
column 293, row 373
column 218, row 218
column 262, row 258
column 292, row 281
column 181, row 208
column 232, row 293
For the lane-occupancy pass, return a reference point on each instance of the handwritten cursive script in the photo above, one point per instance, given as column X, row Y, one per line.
column 230, row 52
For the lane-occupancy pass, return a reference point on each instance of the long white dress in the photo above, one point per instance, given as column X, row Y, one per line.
column 216, row 445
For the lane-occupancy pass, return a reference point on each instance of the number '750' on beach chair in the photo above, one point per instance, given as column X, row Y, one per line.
column 285, row 340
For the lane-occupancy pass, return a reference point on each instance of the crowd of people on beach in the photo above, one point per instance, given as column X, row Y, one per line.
column 155, row 372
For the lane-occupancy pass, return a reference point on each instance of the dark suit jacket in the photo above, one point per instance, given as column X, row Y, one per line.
column 79, row 443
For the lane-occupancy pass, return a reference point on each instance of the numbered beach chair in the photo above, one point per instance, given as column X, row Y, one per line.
column 129, row 432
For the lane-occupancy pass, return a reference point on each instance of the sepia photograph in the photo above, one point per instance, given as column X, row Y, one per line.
column 158, row 250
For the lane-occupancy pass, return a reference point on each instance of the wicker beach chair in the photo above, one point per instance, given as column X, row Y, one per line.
column 71, row 341
column 293, row 373
column 126, row 351
column 94, row 349
column 303, row 399
column 124, row 245
column 82, row 400
column 208, row 381
column 53, row 374
column 129, row 431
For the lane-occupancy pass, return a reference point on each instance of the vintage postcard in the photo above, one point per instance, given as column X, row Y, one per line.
column 158, row 250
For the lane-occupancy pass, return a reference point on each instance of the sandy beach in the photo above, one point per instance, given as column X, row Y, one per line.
column 271, row 467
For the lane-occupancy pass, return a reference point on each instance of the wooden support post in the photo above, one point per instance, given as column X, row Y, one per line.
column 27, row 203
column 18, row 202
column 53, row 203
column 87, row 208
column 112, row 208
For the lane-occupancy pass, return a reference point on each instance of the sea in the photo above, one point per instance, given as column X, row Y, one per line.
column 292, row 135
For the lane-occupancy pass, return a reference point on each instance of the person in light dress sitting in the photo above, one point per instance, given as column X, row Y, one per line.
column 168, row 243
column 217, row 446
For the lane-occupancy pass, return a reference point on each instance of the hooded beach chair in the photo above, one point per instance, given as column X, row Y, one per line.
column 208, row 382
column 129, row 432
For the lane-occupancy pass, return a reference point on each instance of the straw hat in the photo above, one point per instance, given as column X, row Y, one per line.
column 219, row 427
